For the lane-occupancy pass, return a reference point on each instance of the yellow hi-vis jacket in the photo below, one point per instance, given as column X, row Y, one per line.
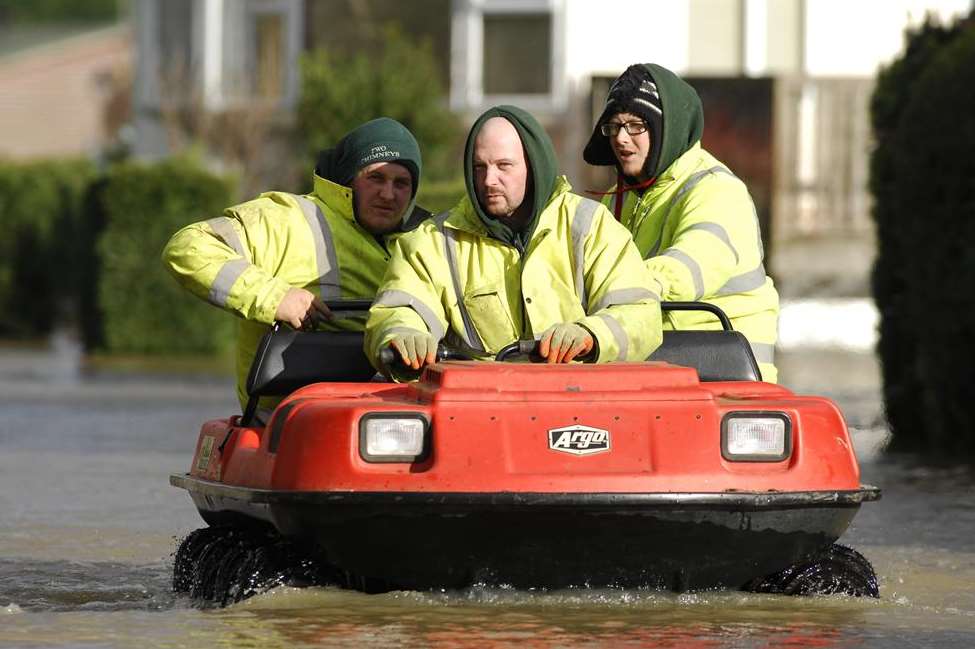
column 246, row 260
column 451, row 278
column 697, row 229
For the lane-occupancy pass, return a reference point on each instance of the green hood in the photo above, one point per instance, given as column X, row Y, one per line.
column 541, row 160
column 379, row 140
column 680, row 125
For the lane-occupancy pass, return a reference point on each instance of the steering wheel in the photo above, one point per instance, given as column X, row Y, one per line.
column 528, row 348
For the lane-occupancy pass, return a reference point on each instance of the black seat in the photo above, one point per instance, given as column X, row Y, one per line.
column 287, row 359
column 717, row 355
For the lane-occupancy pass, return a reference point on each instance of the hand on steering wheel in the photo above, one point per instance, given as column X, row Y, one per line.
column 565, row 342
column 416, row 348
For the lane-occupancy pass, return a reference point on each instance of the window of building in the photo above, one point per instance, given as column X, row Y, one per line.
column 507, row 51
column 257, row 51
column 517, row 54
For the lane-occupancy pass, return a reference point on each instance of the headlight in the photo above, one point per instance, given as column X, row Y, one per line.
column 393, row 437
column 756, row 436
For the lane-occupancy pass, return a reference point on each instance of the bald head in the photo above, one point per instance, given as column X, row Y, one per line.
column 500, row 169
column 498, row 130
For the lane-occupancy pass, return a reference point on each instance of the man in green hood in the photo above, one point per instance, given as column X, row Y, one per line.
column 691, row 218
column 277, row 257
column 520, row 257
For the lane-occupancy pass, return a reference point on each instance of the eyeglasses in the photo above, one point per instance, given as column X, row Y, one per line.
column 611, row 129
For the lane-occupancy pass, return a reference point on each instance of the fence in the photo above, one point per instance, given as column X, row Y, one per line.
column 823, row 141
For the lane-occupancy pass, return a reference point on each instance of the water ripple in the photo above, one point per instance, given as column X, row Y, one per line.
column 34, row 585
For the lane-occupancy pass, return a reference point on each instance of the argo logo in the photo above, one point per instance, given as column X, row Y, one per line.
column 578, row 440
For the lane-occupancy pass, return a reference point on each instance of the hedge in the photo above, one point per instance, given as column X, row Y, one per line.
column 81, row 248
column 41, row 267
column 143, row 309
column 923, row 114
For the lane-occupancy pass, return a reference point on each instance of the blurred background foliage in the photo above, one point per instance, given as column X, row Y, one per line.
column 142, row 309
column 338, row 89
column 41, row 250
column 83, row 238
column 921, row 177
column 81, row 248
column 22, row 12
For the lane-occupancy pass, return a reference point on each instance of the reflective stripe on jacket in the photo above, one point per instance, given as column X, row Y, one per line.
column 246, row 260
column 449, row 277
column 697, row 229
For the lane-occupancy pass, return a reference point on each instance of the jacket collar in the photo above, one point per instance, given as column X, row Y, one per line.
column 337, row 197
column 680, row 167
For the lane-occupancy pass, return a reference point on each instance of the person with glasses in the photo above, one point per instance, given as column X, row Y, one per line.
column 691, row 218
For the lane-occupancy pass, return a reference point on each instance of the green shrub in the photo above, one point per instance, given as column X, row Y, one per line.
column 18, row 12
column 935, row 141
column 142, row 308
column 40, row 262
column 441, row 195
column 923, row 113
column 398, row 78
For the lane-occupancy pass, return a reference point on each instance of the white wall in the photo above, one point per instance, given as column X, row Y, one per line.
column 605, row 37
column 842, row 37
column 855, row 37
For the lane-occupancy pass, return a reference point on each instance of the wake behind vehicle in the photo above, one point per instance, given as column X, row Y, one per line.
column 682, row 472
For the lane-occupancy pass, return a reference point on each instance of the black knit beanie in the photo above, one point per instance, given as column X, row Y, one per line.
column 633, row 92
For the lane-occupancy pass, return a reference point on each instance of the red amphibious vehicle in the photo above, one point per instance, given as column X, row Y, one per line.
column 682, row 472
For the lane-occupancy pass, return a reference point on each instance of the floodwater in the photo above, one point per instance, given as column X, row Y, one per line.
column 88, row 524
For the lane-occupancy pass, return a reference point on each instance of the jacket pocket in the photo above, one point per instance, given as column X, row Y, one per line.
column 489, row 314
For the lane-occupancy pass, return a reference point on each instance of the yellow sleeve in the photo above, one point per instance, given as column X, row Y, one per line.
column 229, row 261
column 623, row 311
column 716, row 235
column 408, row 297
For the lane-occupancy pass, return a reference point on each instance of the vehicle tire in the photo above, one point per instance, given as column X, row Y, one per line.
column 187, row 556
column 226, row 564
column 216, row 566
column 268, row 562
column 838, row 570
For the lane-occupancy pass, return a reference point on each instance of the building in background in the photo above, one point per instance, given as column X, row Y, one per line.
column 56, row 89
column 786, row 83
column 212, row 56
column 786, row 86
